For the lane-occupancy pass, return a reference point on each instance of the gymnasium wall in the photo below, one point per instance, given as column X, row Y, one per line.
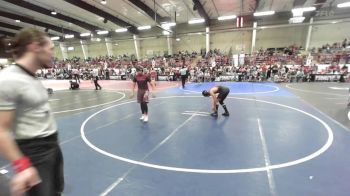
column 330, row 33
column 97, row 49
column 237, row 40
column 77, row 52
column 124, row 47
column 190, row 43
column 281, row 37
column 58, row 53
column 154, row 46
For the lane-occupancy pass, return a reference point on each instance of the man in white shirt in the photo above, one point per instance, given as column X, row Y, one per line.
column 28, row 131
column 95, row 78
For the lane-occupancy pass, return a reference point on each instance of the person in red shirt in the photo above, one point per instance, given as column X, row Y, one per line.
column 142, row 81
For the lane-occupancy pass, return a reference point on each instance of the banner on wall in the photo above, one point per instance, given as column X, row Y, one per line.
column 117, row 77
column 239, row 22
column 163, row 77
column 325, row 77
column 322, row 67
column 241, row 59
column 227, row 78
column 235, row 60
column 149, row 52
column 309, row 60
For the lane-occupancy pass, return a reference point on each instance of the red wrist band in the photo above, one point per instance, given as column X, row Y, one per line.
column 21, row 164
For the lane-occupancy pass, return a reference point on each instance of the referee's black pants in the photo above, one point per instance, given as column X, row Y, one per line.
column 46, row 156
column 183, row 80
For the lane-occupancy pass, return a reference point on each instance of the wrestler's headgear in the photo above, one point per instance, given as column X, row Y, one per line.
column 205, row 93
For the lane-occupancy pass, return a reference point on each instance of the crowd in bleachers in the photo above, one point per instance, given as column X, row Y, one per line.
column 331, row 48
column 215, row 67
column 124, row 65
column 285, row 64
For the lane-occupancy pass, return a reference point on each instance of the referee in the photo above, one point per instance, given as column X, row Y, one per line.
column 28, row 131
column 184, row 75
